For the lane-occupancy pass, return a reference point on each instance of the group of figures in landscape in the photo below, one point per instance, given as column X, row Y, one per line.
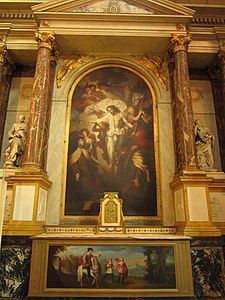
column 111, row 267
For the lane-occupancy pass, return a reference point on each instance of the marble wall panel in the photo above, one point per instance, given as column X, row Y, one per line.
column 15, row 267
column 217, row 201
column 203, row 108
column 55, row 161
column 197, row 203
column 209, row 121
column 20, row 93
column 208, row 272
column 167, row 161
column 202, row 98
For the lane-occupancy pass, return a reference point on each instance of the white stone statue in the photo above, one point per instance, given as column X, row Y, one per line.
column 204, row 140
column 16, row 136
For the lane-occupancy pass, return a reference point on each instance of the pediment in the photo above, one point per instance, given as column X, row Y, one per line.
column 146, row 7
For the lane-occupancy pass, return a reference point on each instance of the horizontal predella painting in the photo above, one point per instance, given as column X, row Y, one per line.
column 111, row 143
column 111, row 267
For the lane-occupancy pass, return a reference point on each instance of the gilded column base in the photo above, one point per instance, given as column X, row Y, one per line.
column 23, row 228
column 26, row 204
column 198, row 229
column 193, row 210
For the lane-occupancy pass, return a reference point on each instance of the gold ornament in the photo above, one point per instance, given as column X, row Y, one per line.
column 180, row 42
column 70, row 64
column 45, row 39
column 156, row 65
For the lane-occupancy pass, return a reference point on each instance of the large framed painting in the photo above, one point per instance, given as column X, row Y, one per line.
column 111, row 144
column 116, row 267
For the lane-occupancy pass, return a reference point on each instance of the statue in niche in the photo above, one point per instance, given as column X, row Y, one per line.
column 204, row 140
column 16, row 135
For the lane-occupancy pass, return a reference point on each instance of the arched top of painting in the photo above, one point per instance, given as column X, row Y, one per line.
column 118, row 87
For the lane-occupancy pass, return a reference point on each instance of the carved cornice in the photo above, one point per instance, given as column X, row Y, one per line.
column 208, row 21
column 156, row 65
column 45, row 40
column 70, row 64
column 180, row 42
column 16, row 15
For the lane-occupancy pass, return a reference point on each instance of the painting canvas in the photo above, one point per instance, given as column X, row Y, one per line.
column 111, row 143
column 111, row 267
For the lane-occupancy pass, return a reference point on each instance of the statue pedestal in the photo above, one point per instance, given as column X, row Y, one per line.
column 217, row 198
column 5, row 193
column 192, row 205
column 26, row 211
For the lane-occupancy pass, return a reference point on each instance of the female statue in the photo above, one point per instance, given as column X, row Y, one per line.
column 16, row 136
column 204, row 140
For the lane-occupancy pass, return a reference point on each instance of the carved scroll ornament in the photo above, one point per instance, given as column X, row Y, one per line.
column 155, row 64
column 70, row 64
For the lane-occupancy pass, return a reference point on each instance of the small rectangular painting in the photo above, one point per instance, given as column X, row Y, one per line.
column 111, row 143
column 111, row 267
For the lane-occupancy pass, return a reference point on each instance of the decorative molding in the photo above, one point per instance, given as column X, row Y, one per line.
column 196, row 94
column 70, row 64
column 92, row 230
column 156, row 65
column 16, row 15
column 208, row 21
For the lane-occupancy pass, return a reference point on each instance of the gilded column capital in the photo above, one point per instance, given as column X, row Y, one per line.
column 180, row 42
column 45, row 40
column 3, row 53
column 221, row 54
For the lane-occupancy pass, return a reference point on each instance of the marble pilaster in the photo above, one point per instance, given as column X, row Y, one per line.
column 5, row 81
column 37, row 137
column 182, row 107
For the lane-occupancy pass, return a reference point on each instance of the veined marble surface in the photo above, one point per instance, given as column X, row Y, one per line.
column 14, row 270
column 55, row 161
column 167, row 162
column 207, row 270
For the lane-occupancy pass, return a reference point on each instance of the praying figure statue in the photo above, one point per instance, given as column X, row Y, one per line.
column 16, row 135
column 204, row 140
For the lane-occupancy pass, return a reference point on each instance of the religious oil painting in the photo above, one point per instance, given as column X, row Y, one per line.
column 111, row 143
column 111, row 267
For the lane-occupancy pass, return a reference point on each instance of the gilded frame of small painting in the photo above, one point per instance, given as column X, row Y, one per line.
column 111, row 145
column 114, row 268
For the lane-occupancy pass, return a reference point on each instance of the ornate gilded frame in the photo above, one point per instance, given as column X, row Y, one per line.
column 134, row 219
column 39, row 267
